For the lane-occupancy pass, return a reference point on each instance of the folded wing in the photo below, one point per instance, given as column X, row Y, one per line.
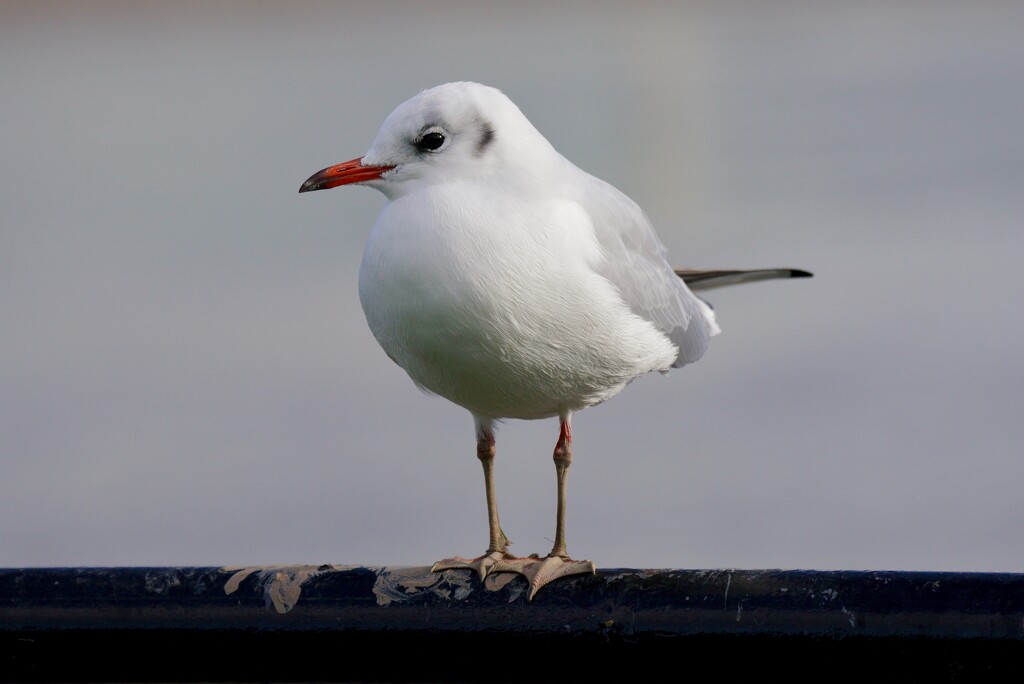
column 636, row 263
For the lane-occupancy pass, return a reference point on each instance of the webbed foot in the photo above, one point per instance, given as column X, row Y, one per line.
column 541, row 571
column 483, row 565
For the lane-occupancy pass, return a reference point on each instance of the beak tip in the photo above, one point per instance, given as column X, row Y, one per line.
column 314, row 182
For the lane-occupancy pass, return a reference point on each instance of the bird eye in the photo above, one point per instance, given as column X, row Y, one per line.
column 430, row 142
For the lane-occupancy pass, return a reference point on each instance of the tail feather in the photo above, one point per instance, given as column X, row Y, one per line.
column 710, row 279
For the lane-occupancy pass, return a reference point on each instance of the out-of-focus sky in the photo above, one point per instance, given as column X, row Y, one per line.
column 186, row 377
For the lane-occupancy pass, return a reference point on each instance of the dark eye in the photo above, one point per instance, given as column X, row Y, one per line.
column 430, row 142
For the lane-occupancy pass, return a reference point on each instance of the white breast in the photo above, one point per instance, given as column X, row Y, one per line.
column 497, row 307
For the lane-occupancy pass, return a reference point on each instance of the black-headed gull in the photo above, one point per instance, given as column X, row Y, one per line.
column 504, row 278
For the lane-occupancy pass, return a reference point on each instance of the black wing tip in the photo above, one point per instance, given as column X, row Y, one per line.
column 797, row 273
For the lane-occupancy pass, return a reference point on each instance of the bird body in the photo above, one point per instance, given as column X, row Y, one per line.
column 510, row 281
column 507, row 280
column 498, row 305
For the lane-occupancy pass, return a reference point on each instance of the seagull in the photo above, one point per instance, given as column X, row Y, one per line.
column 505, row 279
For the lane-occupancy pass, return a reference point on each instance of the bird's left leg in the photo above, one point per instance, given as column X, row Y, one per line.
column 563, row 459
column 540, row 571
column 497, row 548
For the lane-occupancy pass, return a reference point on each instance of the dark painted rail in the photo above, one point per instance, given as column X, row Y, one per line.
column 391, row 624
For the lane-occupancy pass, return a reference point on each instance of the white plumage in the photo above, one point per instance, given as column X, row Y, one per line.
column 507, row 280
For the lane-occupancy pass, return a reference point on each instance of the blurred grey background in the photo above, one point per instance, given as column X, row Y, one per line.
column 186, row 376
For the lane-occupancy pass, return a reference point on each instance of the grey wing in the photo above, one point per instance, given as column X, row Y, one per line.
column 635, row 262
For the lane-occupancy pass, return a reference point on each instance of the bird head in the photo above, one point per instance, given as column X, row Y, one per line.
column 452, row 132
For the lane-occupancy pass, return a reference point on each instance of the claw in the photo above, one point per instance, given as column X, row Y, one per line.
column 551, row 568
column 537, row 571
column 541, row 571
column 484, row 565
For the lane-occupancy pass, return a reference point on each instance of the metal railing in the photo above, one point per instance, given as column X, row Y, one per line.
column 393, row 624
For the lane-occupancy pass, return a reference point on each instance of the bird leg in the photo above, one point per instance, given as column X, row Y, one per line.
column 563, row 459
column 485, row 449
column 541, row 571
column 497, row 548
column 558, row 563
column 537, row 571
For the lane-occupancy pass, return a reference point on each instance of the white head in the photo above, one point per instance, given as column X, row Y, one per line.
column 451, row 132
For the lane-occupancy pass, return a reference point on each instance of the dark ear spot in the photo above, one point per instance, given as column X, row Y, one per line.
column 486, row 136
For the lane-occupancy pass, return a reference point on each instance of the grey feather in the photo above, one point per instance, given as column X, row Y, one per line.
column 637, row 264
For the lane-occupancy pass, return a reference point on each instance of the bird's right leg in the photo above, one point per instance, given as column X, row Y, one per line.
column 497, row 548
column 485, row 449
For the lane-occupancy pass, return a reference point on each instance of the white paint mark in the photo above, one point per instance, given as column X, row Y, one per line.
column 282, row 585
column 399, row 584
column 499, row 580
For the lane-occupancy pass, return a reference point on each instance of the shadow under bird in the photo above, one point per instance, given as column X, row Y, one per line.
column 507, row 280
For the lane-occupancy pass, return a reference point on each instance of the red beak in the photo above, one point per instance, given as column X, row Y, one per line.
column 344, row 173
